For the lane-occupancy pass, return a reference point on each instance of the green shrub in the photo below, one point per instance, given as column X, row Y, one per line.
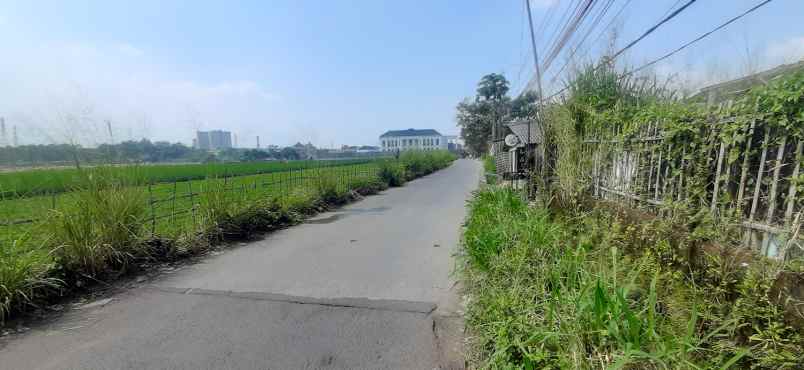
column 300, row 202
column 329, row 190
column 420, row 163
column 392, row 173
column 367, row 186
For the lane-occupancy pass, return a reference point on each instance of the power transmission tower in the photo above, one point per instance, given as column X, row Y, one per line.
column 109, row 130
column 3, row 132
column 16, row 140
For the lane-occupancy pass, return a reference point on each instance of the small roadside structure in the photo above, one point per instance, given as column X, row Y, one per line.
column 519, row 151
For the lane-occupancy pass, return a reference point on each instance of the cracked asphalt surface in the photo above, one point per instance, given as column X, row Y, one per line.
column 368, row 286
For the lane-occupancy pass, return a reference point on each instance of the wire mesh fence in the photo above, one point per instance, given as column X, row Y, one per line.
column 172, row 205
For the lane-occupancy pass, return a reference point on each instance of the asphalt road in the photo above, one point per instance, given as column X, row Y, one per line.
column 366, row 287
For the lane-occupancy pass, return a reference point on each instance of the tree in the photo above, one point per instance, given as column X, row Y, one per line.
column 289, row 153
column 480, row 118
column 492, row 87
column 523, row 106
column 475, row 120
column 255, row 155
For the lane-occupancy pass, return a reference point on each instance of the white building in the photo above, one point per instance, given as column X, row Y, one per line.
column 213, row 140
column 412, row 139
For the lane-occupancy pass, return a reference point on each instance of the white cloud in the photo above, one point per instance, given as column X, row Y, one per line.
column 65, row 92
column 790, row 50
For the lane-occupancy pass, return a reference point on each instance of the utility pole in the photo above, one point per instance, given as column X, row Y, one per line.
column 535, row 52
column 16, row 140
column 258, row 141
column 538, row 91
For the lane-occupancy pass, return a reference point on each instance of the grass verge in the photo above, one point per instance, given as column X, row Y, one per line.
column 598, row 289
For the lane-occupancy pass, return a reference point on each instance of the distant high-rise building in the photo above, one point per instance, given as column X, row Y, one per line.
column 213, row 140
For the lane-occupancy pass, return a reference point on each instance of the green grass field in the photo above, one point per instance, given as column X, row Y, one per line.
column 49, row 181
column 171, row 202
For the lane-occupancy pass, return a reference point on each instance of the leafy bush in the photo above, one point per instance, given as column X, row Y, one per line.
column 392, row 173
column 367, row 186
column 421, row 163
column 328, row 189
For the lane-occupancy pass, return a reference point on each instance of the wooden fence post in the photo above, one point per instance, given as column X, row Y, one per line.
column 757, row 186
column 791, row 194
column 772, row 196
column 192, row 202
column 173, row 203
column 153, row 214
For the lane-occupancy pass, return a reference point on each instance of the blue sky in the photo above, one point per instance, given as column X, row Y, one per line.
column 330, row 72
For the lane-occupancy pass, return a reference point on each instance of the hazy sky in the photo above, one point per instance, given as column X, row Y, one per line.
column 330, row 72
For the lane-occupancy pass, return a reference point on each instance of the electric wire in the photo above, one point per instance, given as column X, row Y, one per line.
column 699, row 38
column 637, row 40
column 577, row 47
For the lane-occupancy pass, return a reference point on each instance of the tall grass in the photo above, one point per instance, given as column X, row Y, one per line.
column 590, row 292
column 105, row 228
column 490, row 168
column 25, row 272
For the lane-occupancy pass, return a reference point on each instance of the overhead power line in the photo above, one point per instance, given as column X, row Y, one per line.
column 650, row 30
column 699, row 38
column 671, row 8
column 567, row 33
column 577, row 47
column 562, row 22
column 611, row 22
column 546, row 21
column 602, row 32
column 635, row 41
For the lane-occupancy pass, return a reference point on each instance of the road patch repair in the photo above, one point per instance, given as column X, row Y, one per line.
column 366, row 289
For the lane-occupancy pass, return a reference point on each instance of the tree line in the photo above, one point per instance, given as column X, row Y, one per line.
column 491, row 106
column 142, row 151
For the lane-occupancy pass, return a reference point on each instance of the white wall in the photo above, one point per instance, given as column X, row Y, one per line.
column 393, row 143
